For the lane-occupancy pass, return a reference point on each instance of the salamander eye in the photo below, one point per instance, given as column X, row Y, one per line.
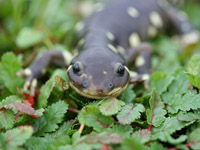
column 120, row 69
column 76, row 67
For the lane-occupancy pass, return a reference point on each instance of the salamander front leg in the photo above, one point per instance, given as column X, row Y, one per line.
column 40, row 65
column 140, row 56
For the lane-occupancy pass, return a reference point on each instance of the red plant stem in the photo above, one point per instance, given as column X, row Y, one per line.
column 150, row 127
column 187, row 144
column 73, row 110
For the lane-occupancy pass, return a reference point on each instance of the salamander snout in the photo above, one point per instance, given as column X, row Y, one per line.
column 98, row 80
column 85, row 84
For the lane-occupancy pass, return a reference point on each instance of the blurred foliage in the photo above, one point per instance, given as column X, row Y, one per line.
column 162, row 117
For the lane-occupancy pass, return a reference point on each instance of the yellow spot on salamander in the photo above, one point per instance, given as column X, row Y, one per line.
column 121, row 49
column 110, row 36
column 152, row 31
column 139, row 61
column 134, row 39
column 145, row 77
column 133, row 12
column 156, row 19
column 112, row 48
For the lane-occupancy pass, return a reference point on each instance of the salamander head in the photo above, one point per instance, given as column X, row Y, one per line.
column 98, row 75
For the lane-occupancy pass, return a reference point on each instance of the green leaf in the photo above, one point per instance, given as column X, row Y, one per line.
column 128, row 95
column 61, row 73
column 179, row 85
column 9, row 100
column 9, row 66
column 45, row 93
column 132, row 144
column 160, row 81
column 62, row 131
column 168, row 127
column 28, row 37
column 194, row 80
column 169, row 50
column 123, row 130
column 18, row 136
column 38, row 143
column 50, row 120
column 156, row 113
column 189, row 101
column 142, row 136
column 157, row 146
column 23, row 108
column 171, row 140
column 92, row 117
column 47, row 143
column 190, row 116
column 111, row 106
column 7, row 118
column 193, row 66
column 81, row 146
column 194, row 139
column 104, row 138
column 130, row 113
column 76, row 137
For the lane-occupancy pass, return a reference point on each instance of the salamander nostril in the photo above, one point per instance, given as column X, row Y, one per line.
column 84, row 84
column 100, row 92
column 110, row 85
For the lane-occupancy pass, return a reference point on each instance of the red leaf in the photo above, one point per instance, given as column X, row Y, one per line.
column 23, row 108
column 29, row 100
column 105, row 147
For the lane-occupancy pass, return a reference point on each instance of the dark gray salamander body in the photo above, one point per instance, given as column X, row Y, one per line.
column 112, row 41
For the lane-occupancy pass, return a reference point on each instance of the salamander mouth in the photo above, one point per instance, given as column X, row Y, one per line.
column 94, row 94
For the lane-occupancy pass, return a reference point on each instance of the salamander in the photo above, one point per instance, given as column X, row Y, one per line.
column 112, row 40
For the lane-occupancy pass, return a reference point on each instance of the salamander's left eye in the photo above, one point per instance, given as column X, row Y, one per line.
column 76, row 67
column 120, row 69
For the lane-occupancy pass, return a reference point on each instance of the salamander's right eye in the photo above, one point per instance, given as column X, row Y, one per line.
column 76, row 67
column 120, row 69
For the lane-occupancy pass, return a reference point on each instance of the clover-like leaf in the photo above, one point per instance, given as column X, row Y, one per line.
column 128, row 95
column 45, row 93
column 194, row 79
column 190, row 116
column 142, row 136
column 189, row 101
column 7, row 118
column 132, row 144
column 92, row 117
column 160, row 81
column 170, row 125
column 194, row 139
column 193, row 66
column 9, row 66
column 49, row 121
column 111, row 106
column 23, row 108
column 156, row 113
column 130, row 113
column 17, row 136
